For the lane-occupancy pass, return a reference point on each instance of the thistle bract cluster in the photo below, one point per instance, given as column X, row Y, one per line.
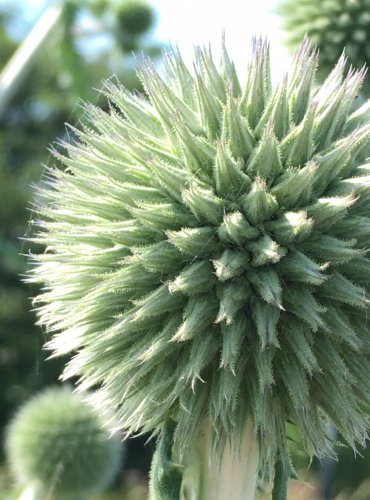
column 206, row 253
column 331, row 25
column 58, row 443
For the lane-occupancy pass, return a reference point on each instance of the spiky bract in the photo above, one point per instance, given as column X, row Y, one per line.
column 331, row 25
column 206, row 253
column 59, row 444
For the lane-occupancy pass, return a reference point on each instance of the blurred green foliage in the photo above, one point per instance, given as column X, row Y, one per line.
column 332, row 26
column 84, row 50
column 134, row 488
column 22, row 135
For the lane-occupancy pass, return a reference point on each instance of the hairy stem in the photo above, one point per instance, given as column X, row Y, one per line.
column 24, row 58
column 280, row 490
column 233, row 477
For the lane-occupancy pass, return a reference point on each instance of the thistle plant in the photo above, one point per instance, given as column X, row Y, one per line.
column 205, row 262
column 331, row 25
column 57, row 446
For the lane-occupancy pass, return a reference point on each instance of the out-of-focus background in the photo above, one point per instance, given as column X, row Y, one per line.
column 82, row 43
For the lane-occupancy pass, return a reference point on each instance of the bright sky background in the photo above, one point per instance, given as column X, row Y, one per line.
column 201, row 21
column 189, row 22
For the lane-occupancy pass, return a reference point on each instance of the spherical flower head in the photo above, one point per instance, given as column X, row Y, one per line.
column 206, row 253
column 58, row 443
column 331, row 25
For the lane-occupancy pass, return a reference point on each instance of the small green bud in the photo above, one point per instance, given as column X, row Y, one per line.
column 305, row 306
column 134, row 16
column 290, row 227
column 204, row 204
column 259, row 204
column 195, row 241
column 230, row 264
column 228, row 175
column 236, row 132
column 199, row 314
column 295, row 185
column 265, row 162
column 298, row 267
column 266, row 251
column 236, row 229
column 160, row 257
column 196, row 278
column 233, row 296
column 267, row 284
column 326, row 211
column 338, row 288
column 266, row 318
column 336, row 251
column 276, row 112
column 158, row 302
column 233, row 336
column 58, row 443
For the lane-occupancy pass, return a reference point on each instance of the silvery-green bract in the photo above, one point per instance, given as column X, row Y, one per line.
column 331, row 25
column 206, row 253
column 58, row 444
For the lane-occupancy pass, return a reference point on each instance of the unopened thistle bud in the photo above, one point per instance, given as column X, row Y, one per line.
column 135, row 17
column 331, row 25
column 58, row 446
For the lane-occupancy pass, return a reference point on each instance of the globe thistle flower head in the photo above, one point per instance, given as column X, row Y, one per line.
column 58, row 443
column 206, row 253
column 331, row 25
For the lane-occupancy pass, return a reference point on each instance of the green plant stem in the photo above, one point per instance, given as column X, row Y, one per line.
column 31, row 492
column 25, row 56
column 233, row 477
column 280, row 490
column 165, row 476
